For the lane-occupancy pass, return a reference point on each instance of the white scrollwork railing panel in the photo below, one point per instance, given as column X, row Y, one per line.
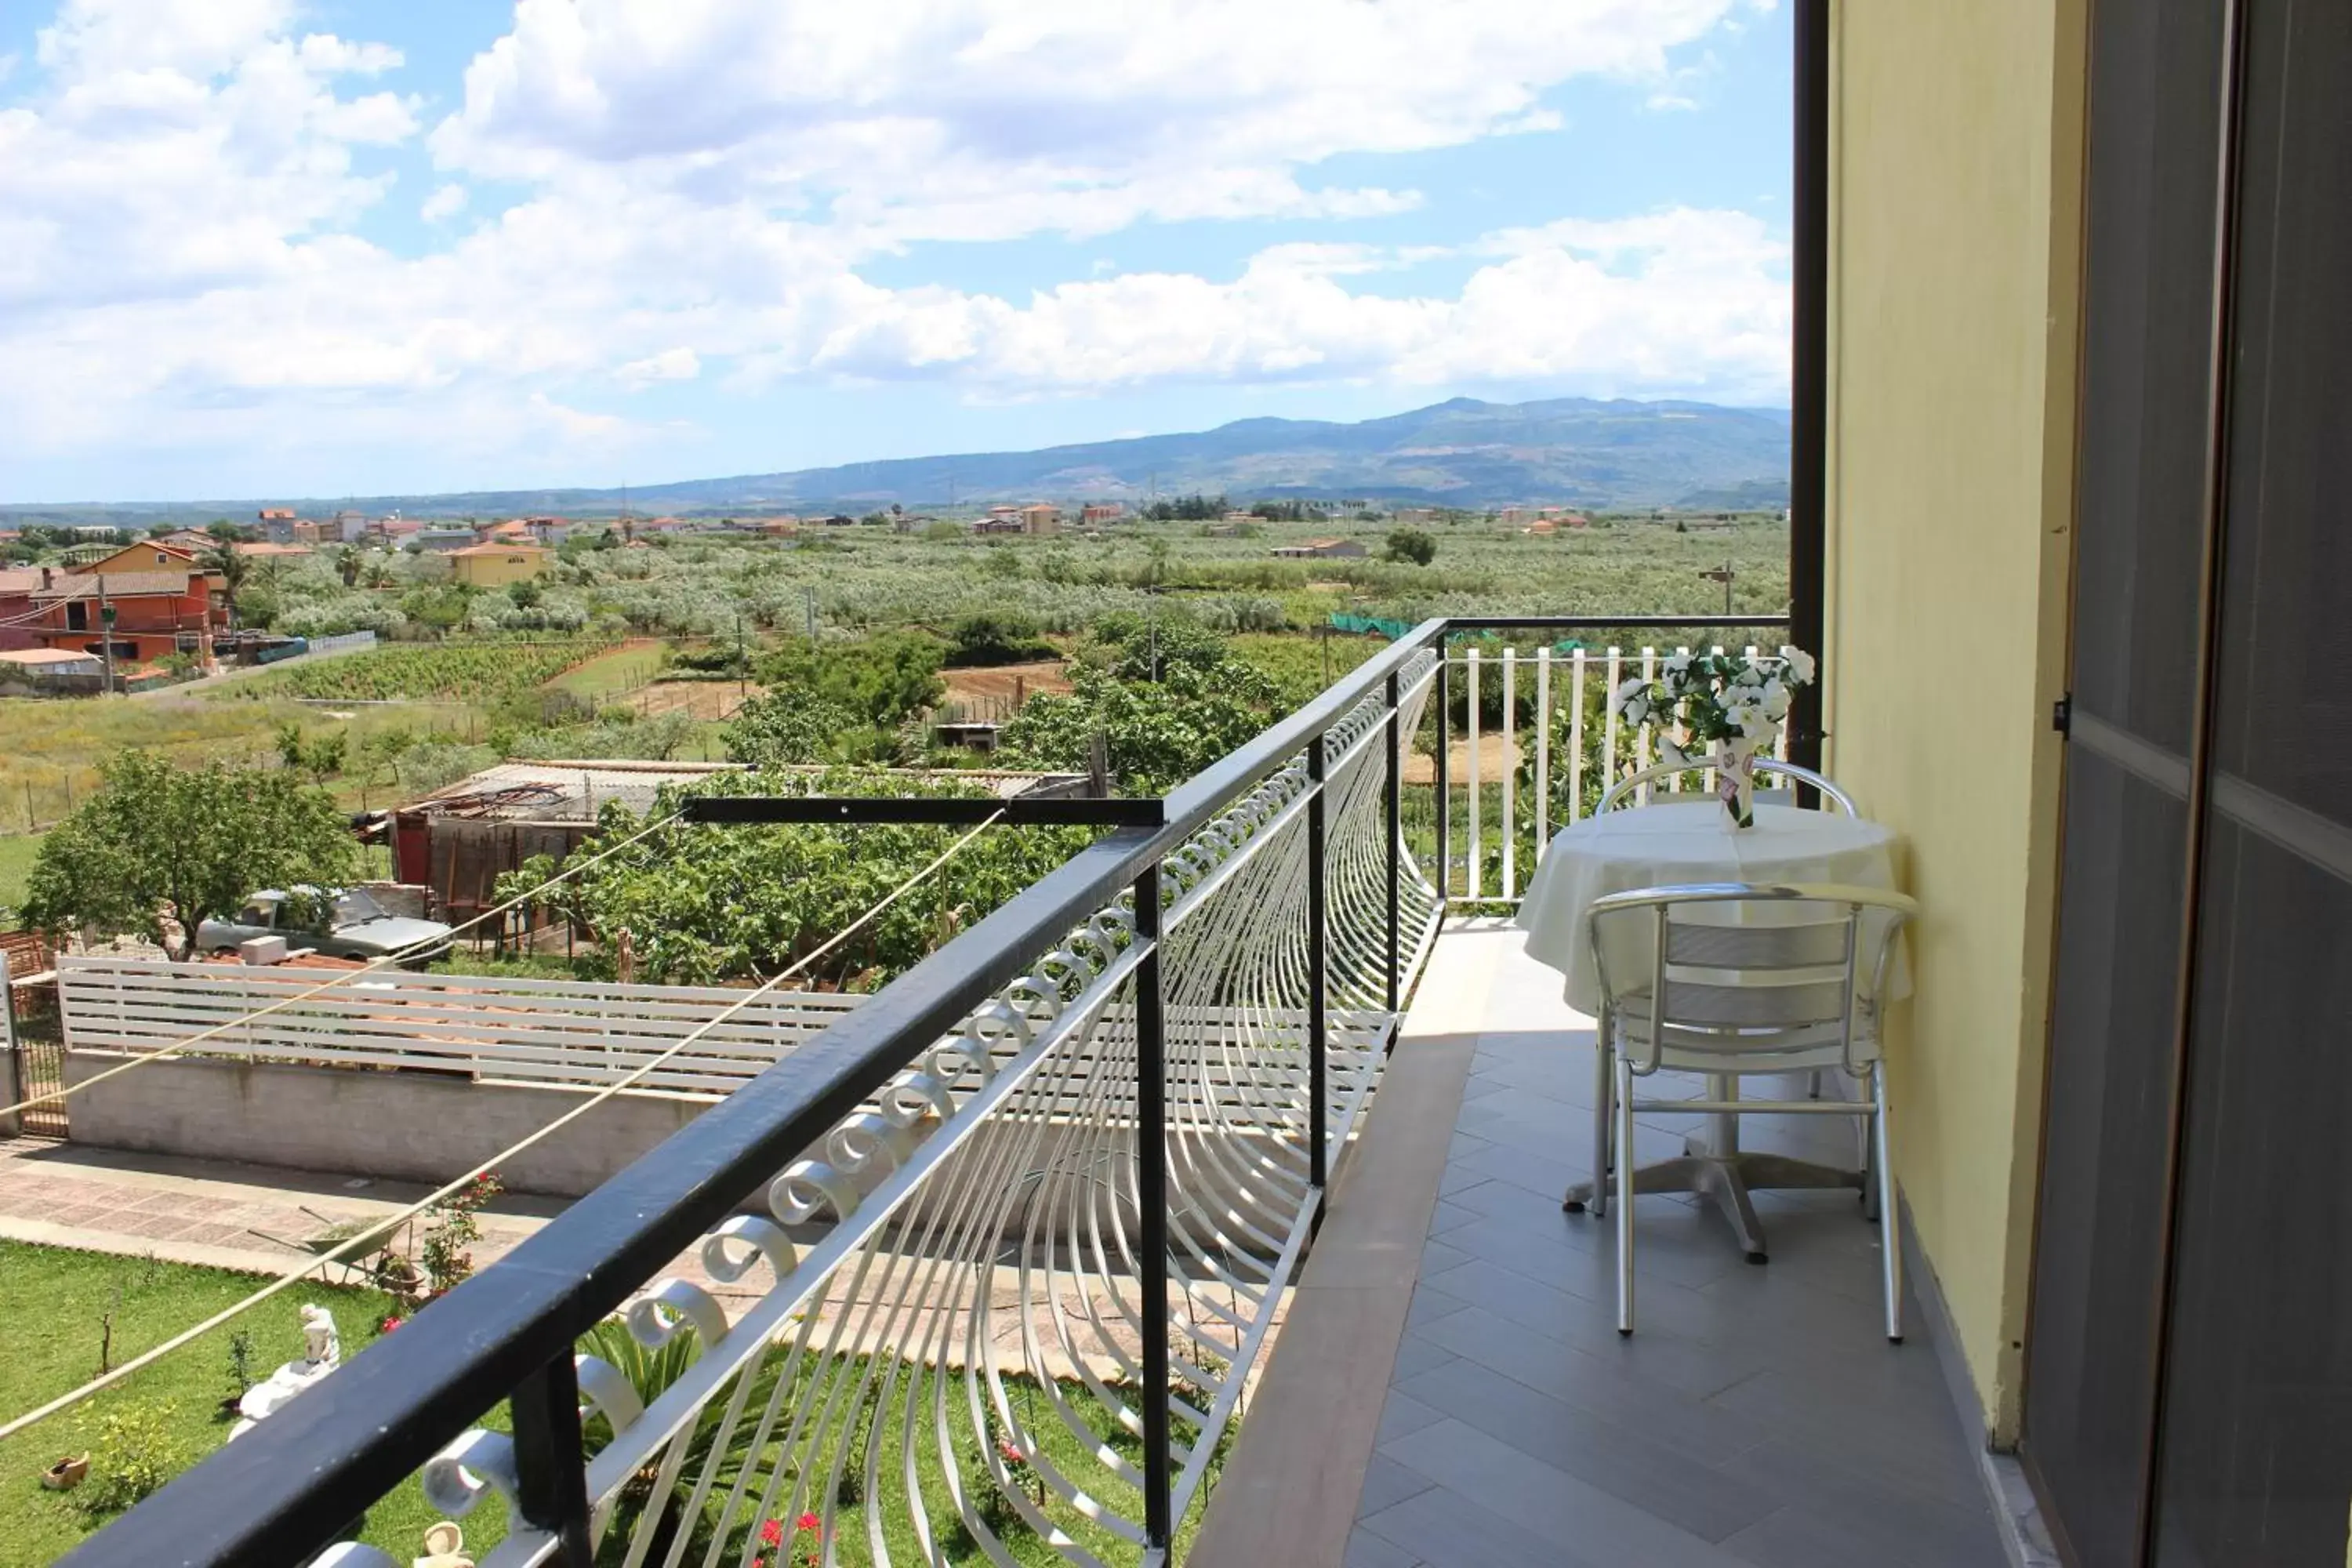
column 931, row 1347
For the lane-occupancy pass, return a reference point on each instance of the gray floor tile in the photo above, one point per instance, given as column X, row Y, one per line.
column 1403, row 1414
column 1549, row 1503
column 1901, row 1525
column 1388, row 1483
column 1757, row 1418
column 1444, row 1529
column 1447, row 1214
column 1613, row 1391
column 1430, row 1302
column 1706, row 1501
column 1366, row 1550
column 1418, row 1354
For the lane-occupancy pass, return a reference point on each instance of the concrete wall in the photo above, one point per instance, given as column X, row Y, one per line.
column 409, row 1126
column 423, row 1127
column 1957, row 152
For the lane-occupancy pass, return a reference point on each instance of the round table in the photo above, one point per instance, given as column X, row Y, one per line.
column 1680, row 843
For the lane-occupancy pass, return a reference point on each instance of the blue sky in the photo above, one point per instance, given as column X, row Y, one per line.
column 260, row 247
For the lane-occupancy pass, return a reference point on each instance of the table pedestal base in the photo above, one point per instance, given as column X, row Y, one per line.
column 1720, row 1169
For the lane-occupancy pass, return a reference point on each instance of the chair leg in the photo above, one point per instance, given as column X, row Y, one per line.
column 1868, row 1123
column 1604, row 1120
column 1890, row 1227
column 1625, row 1196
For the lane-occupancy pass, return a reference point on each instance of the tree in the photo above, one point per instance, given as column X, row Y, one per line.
column 882, row 679
column 794, row 725
column 160, row 850
column 709, row 903
column 348, row 562
column 1411, row 544
column 223, row 562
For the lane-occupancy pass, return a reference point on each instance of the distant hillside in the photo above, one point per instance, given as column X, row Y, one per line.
column 1463, row 453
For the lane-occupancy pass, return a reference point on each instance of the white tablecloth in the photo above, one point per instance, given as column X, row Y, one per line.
column 1684, row 842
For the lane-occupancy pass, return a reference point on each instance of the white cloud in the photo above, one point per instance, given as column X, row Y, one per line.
column 912, row 119
column 671, row 364
column 699, row 180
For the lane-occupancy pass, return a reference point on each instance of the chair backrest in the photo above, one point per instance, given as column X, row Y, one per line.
column 1744, row 968
column 1832, row 797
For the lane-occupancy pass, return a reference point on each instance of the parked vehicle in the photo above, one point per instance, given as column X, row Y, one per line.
column 343, row 924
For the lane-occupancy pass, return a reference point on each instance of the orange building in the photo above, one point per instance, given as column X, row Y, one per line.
column 144, row 614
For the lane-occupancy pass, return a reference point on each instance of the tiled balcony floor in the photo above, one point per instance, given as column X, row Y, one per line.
column 1758, row 1417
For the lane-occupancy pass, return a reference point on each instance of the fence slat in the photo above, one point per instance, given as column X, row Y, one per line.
column 1543, row 750
column 1470, row 684
column 1510, row 770
column 1576, row 735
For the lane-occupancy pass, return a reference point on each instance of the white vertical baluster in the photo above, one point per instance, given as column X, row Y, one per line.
column 1543, row 750
column 1576, row 734
column 1470, row 685
column 1609, row 728
column 1510, row 764
column 1642, row 756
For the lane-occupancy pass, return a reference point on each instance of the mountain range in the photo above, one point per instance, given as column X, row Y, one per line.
column 1568, row 450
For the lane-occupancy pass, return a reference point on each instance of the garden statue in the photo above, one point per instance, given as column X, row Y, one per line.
column 323, row 1351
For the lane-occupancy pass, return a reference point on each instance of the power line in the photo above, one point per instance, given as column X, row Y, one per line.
column 69, row 1400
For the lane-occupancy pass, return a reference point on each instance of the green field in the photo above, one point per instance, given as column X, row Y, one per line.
column 54, row 1307
column 17, row 852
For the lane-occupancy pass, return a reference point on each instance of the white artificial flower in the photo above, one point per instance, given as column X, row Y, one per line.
column 1749, row 674
column 1800, row 662
column 1775, row 700
column 1626, row 691
column 1635, row 710
column 1671, row 754
column 1757, row 725
column 1677, row 665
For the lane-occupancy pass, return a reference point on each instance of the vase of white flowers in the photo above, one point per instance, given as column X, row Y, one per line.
column 1734, row 704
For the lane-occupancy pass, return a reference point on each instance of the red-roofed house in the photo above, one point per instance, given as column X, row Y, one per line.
column 16, row 615
column 156, row 613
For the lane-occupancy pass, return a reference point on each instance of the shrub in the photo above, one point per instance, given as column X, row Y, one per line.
column 133, row 1453
column 988, row 636
column 1411, row 544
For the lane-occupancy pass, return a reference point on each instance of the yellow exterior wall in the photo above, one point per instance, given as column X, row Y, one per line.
column 517, row 563
column 1957, row 163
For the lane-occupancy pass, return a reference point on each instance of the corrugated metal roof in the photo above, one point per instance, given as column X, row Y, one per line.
column 565, row 791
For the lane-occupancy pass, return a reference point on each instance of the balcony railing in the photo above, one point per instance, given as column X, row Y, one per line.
column 949, row 1305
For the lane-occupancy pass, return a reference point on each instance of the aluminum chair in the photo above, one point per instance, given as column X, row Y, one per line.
column 1795, row 991
column 1832, row 797
column 1830, row 793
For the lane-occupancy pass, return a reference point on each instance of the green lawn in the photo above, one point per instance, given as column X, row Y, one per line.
column 54, row 1304
column 610, row 675
column 16, row 853
column 53, row 1307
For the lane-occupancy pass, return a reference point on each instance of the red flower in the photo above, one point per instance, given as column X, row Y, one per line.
column 808, row 1522
column 388, row 1325
column 772, row 1532
column 1013, row 1455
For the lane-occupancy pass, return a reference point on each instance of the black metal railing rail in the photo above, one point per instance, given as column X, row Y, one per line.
column 1029, row 1211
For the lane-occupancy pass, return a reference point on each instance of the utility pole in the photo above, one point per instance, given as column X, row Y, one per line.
column 741, row 669
column 1723, row 575
column 106, row 630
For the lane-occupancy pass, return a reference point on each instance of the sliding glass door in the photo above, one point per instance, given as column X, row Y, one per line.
column 2189, row 1384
